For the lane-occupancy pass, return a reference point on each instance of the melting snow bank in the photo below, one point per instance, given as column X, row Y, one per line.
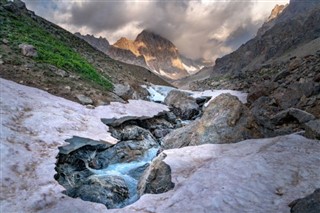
column 262, row 175
column 34, row 124
column 159, row 93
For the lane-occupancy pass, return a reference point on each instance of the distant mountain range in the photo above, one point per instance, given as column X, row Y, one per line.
column 151, row 51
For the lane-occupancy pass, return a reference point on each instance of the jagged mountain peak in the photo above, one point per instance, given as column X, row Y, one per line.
column 276, row 11
column 150, row 38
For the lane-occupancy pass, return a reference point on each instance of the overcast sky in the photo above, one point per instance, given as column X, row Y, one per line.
column 207, row 28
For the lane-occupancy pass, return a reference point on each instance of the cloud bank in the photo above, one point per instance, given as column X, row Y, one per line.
column 207, row 28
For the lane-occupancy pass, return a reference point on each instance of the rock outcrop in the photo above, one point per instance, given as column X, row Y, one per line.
column 100, row 43
column 182, row 104
column 156, row 178
column 225, row 120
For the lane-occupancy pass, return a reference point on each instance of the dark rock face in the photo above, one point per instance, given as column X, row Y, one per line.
column 313, row 129
column 225, row 120
column 182, row 104
column 101, row 44
column 308, row 204
column 156, row 178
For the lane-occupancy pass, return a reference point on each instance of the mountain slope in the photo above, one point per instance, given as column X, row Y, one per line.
column 65, row 65
column 296, row 25
column 295, row 29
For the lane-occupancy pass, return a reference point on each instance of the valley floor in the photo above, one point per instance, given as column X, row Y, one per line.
column 259, row 175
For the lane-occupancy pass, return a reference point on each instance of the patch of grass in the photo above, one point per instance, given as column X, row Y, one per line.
column 51, row 50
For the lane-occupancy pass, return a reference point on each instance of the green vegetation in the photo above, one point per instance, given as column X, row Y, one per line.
column 50, row 47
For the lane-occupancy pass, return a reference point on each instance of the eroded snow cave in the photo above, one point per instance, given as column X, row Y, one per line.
column 117, row 175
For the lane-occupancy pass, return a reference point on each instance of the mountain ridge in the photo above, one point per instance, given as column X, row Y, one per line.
column 153, row 52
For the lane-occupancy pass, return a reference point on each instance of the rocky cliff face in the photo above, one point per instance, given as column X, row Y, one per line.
column 100, row 43
column 295, row 26
column 160, row 55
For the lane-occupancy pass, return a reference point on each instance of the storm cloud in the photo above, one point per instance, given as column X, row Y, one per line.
column 207, row 29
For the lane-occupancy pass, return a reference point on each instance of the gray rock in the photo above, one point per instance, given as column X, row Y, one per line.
column 182, row 104
column 84, row 99
column 313, row 129
column 308, row 204
column 300, row 115
column 160, row 133
column 1, row 61
column 111, row 191
column 123, row 91
column 28, row 50
column 61, row 73
column 130, row 132
column 225, row 120
column 5, row 41
column 156, row 178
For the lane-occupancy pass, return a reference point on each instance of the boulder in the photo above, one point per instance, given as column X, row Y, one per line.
column 225, row 120
column 290, row 97
column 182, row 104
column 292, row 113
column 59, row 72
column 257, row 91
column 111, row 191
column 130, row 132
column 156, row 178
column 28, row 50
column 308, row 204
column 84, row 99
column 123, row 91
column 313, row 129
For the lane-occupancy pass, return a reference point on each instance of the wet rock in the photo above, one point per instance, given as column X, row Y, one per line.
column 84, row 99
column 125, row 151
column 160, row 133
column 111, row 191
column 308, row 204
column 28, row 50
column 136, row 173
column 130, row 132
column 292, row 113
column 157, row 178
column 313, row 129
column 183, row 105
column 225, row 120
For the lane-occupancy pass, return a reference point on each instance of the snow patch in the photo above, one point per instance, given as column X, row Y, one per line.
column 190, row 69
column 34, row 124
